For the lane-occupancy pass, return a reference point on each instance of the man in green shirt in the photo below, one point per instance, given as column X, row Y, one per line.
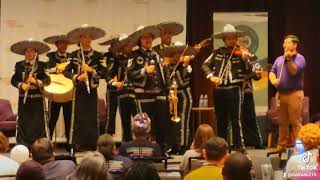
column 215, row 152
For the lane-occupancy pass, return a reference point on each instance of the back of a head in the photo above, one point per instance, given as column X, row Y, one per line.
column 42, row 150
column 141, row 171
column 310, row 135
column 19, row 153
column 216, row 148
column 92, row 166
column 4, row 143
column 30, row 170
column 105, row 146
column 203, row 134
column 141, row 124
column 237, row 166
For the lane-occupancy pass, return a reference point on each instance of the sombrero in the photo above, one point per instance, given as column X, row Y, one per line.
column 141, row 30
column 123, row 40
column 112, row 39
column 94, row 32
column 21, row 46
column 178, row 47
column 228, row 29
column 54, row 39
column 174, row 27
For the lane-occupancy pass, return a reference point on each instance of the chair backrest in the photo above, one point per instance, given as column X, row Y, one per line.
column 5, row 109
column 158, row 161
column 195, row 163
column 171, row 174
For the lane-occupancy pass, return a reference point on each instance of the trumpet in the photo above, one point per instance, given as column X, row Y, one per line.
column 173, row 102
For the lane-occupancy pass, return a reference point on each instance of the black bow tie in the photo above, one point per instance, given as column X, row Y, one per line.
column 62, row 57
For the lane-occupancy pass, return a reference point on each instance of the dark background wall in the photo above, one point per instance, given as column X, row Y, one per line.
column 298, row 17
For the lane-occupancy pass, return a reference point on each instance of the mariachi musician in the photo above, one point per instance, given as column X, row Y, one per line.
column 251, row 133
column 227, row 68
column 111, row 93
column 87, row 67
column 146, row 73
column 30, row 78
column 167, row 31
column 57, row 60
column 119, row 82
column 177, row 58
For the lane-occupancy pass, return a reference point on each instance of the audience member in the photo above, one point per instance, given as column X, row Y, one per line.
column 237, row 167
column 42, row 152
column 7, row 165
column 203, row 134
column 4, row 143
column 92, row 167
column 297, row 165
column 140, row 146
column 30, row 170
column 117, row 164
column 142, row 171
column 215, row 152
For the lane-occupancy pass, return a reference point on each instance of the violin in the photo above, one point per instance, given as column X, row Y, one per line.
column 239, row 51
column 174, row 60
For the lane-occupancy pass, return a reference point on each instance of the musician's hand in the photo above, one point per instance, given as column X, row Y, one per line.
column 185, row 60
column 31, row 80
column 86, row 68
column 60, row 68
column 150, row 69
column 275, row 82
column 197, row 47
column 246, row 55
column 83, row 77
column 118, row 85
column 166, row 61
column 258, row 73
column 216, row 80
column 25, row 86
column 288, row 55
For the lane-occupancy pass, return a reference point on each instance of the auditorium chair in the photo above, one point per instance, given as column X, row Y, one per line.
column 8, row 119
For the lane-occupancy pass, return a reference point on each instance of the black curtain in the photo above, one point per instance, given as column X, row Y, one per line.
column 285, row 17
